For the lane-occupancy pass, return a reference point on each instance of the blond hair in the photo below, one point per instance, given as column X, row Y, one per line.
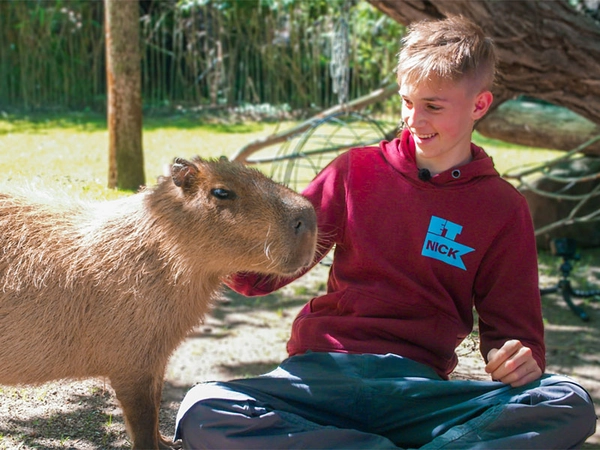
column 450, row 49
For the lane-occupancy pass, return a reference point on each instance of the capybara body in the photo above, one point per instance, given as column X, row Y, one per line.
column 112, row 288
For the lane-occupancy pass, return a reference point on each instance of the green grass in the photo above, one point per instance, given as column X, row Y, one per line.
column 510, row 156
column 71, row 150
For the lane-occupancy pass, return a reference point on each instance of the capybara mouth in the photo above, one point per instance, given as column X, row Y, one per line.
column 301, row 258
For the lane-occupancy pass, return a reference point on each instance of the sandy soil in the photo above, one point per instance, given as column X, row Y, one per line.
column 244, row 337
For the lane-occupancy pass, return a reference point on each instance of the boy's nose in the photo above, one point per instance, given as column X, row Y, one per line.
column 411, row 117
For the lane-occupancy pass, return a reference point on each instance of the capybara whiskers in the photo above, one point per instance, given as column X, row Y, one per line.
column 110, row 289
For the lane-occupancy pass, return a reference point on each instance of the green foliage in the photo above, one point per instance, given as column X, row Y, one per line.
column 195, row 53
column 45, row 47
column 379, row 42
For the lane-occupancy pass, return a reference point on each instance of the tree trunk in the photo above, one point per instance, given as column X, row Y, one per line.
column 541, row 125
column 546, row 49
column 124, row 86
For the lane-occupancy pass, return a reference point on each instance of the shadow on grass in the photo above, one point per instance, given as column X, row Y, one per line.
column 234, row 310
column 93, row 421
column 246, row 370
column 572, row 348
column 84, row 422
column 571, row 343
column 38, row 122
column 272, row 302
column 91, row 121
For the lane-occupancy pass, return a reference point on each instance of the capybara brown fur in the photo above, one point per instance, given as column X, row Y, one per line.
column 111, row 288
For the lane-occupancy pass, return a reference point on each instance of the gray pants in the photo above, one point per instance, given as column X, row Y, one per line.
column 335, row 400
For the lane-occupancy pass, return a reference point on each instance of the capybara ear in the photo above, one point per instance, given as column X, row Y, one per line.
column 184, row 173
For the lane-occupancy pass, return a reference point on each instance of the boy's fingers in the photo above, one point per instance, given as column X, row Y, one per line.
column 492, row 363
column 513, row 364
column 523, row 374
column 497, row 357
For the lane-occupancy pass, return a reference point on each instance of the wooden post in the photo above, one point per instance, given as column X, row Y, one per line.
column 123, row 73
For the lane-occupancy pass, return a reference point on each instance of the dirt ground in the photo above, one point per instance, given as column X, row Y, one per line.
column 243, row 337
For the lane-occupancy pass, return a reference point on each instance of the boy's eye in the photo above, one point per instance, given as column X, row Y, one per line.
column 407, row 102
column 434, row 107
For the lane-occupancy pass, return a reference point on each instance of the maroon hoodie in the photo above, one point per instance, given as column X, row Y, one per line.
column 412, row 258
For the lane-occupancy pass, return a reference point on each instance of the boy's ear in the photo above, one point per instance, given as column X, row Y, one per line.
column 483, row 101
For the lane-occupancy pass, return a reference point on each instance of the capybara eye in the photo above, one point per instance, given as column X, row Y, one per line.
column 223, row 194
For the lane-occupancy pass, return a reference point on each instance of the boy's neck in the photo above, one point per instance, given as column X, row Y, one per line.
column 436, row 166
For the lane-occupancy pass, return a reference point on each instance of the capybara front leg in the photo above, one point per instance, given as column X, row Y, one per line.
column 140, row 400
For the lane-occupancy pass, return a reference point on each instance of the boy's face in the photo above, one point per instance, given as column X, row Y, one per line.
column 440, row 115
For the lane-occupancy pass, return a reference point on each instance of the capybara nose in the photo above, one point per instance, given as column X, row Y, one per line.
column 304, row 226
column 305, row 222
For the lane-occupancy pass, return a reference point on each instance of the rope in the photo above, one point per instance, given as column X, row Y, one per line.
column 545, row 170
column 340, row 56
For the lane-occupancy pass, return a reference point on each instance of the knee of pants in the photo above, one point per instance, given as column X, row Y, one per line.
column 214, row 389
column 212, row 423
column 207, row 392
column 223, row 424
column 581, row 413
column 585, row 403
column 211, row 390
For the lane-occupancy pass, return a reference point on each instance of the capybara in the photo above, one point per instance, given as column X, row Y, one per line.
column 111, row 288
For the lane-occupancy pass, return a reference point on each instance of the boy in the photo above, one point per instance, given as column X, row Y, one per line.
column 424, row 229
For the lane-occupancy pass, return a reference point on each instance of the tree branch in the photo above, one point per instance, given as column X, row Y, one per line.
column 546, row 50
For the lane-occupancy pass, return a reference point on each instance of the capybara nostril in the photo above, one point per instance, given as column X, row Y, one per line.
column 304, row 227
column 306, row 220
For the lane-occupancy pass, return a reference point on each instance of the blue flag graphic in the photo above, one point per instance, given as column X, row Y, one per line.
column 440, row 243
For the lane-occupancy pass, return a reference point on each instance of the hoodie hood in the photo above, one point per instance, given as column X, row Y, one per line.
column 400, row 154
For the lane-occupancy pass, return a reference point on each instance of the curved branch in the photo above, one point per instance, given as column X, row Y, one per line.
column 378, row 95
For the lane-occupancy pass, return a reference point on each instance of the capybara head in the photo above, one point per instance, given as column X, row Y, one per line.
column 249, row 221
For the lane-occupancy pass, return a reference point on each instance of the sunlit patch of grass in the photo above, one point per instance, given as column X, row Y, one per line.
column 71, row 150
column 508, row 156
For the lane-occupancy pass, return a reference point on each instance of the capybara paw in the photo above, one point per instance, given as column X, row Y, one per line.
column 168, row 444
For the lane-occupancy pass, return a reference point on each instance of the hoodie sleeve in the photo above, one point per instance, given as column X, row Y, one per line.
column 327, row 193
column 507, row 296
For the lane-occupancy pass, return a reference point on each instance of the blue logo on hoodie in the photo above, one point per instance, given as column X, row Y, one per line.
column 440, row 242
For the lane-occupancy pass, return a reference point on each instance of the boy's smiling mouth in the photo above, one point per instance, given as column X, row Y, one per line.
column 424, row 137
